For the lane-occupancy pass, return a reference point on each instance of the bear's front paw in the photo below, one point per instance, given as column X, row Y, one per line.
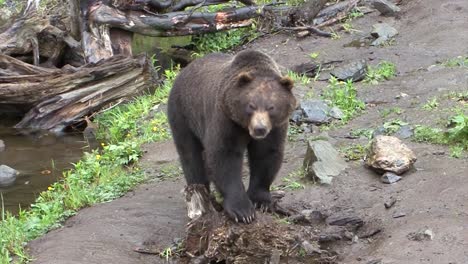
column 261, row 199
column 239, row 209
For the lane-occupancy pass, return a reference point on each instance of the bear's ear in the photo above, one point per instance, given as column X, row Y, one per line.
column 244, row 78
column 287, row 82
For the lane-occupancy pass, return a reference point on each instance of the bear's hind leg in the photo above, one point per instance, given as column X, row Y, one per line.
column 190, row 152
column 265, row 159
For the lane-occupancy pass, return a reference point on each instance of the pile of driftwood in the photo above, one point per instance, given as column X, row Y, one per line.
column 65, row 60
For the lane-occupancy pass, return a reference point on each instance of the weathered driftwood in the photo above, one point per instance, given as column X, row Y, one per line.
column 63, row 96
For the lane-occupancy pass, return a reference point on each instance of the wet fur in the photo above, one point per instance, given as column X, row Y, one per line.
column 210, row 127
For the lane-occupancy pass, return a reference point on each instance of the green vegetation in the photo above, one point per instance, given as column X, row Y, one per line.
column 388, row 111
column 299, row 78
column 431, row 104
column 391, row 127
column 344, row 96
column 97, row 177
column 292, row 181
column 354, row 152
column 293, row 132
column 384, row 71
column 460, row 61
column 362, row 132
column 314, row 55
column 456, row 136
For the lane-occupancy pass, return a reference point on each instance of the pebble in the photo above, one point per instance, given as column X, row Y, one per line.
column 390, row 178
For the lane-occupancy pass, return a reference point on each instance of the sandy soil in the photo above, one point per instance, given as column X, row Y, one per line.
column 432, row 196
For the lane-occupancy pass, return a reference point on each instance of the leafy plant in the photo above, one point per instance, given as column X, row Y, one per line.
column 391, row 127
column 460, row 61
column 384, row 71
column 344, row 96
column 362, row 132
column 299, row 78
column 354, row 152
column 431, row 104
column 388, row 111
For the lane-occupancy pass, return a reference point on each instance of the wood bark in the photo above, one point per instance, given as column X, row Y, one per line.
column 67, row 94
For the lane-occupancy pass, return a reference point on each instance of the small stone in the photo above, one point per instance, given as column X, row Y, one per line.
column 2, row 145
column 390, row 178
column 391, row 202
column 421, row 235
column 388, row 153
column 438, row 153
column 315, row 111
column 375, row 261
column 7, row 175
column 383, row 32
column 386, row 8
column 379, row 131
column 336, row 113
column 296, row 116
column 398, row 214
column 322, row 162
column 401, row 95
column 404, row 132
column 310, row 249
column 354, row 71
column 344, row 219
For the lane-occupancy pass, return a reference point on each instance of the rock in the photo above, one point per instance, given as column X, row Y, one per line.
column 336, row 113
column 383, row 32
column 310, row 249
column 2, row 145
column 354, row 71
column 391, row 202
column 386, row 8
column 315, row 111
column 398, row 214
column 7, row 175
column 322, row 162
column 404, row 132
column 344, row 219
column 296, row 116
column 388, row 153
column 421, row 235
column 390, row 178
column 379, row 131
column 375, row 261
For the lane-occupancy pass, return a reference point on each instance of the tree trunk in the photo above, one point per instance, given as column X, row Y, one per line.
column 67, row 94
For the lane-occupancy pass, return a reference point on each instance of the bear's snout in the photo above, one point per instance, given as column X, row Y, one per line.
column 260, row 125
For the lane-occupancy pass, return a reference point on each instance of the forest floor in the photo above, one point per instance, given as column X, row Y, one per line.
column 432, row 196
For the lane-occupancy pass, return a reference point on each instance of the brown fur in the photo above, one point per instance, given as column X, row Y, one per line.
column 221, row 105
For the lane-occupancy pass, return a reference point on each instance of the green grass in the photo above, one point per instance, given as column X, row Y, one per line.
column 294, row 131
column 392, row 126
column 362, row 132
column 455, row 135
column 299, row 78
column 344, row 96
column 460, row 61
column 223, row 40
column 431, row 104
column 97, row 177
column 383, row 71
column 388, row 111
column 292, row 181
column 354, row 152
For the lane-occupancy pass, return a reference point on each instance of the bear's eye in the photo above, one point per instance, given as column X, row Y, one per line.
column 252, row 107
column 270, row 108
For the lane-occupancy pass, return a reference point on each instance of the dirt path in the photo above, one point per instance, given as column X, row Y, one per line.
column 432, row 196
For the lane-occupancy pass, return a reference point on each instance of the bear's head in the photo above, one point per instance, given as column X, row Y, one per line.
column 260, row 101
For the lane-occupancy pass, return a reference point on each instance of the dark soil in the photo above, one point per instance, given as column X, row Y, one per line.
column 432, row 196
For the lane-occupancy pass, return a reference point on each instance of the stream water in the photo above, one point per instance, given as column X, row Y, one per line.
column 40, row 159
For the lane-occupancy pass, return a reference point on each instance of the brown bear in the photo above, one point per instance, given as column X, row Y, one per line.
column 219, row 107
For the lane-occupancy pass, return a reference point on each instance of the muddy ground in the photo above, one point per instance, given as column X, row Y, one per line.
column 432, row 196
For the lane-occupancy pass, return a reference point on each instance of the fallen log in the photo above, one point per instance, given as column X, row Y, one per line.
column 62, row 96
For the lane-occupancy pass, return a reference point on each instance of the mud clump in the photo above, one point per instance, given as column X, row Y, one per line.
column 213, row 238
